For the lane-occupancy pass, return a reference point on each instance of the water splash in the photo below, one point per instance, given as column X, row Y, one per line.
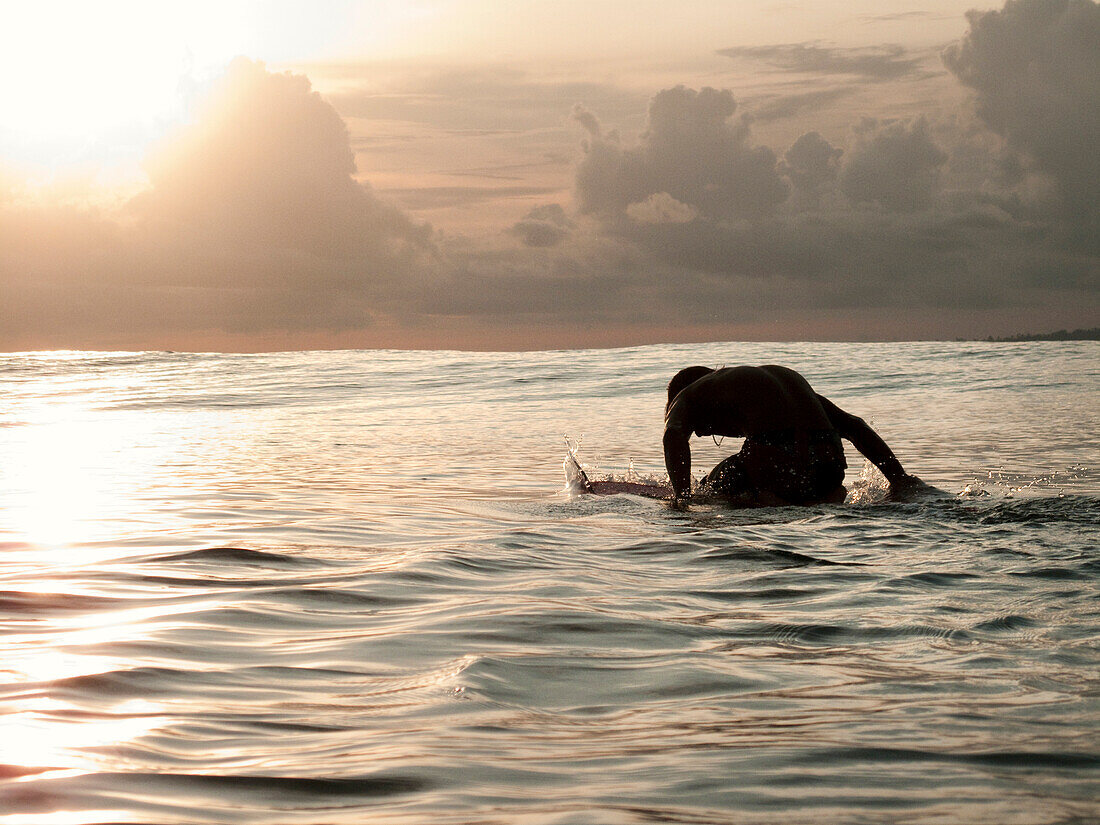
column 1008, row 484
column 576, row 480
column 871, row 487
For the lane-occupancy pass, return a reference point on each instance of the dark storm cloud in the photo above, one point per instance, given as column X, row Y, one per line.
column 878, row 64
column 1035, row 67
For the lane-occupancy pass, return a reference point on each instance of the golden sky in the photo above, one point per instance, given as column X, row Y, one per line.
column 482, row 173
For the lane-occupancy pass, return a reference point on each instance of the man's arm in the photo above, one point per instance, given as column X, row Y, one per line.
column 678, row 462
column 867, row 441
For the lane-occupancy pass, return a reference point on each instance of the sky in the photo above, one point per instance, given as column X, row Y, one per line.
column 529, row 174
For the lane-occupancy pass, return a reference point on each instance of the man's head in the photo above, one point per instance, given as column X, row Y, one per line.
column 686, row 376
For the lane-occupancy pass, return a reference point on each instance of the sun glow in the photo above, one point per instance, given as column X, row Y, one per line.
column 89, row 84
column 80, row 476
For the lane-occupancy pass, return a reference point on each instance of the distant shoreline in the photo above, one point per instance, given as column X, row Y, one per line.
column 1092, row 334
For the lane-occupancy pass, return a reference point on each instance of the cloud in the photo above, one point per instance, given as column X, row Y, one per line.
column 811, row 165
column 543, row 226
column 692, row 151
column 881, row 269
column 1035, row 68
column 436, row 197
column 868, row 225
column 661, row 208
column 894, row 164
column 780, row 108
column 876, row 64
column 266, row 161
column 901, row 15
column 501, row 98
column 497, row 123
column 586, row 119
column 252, row 220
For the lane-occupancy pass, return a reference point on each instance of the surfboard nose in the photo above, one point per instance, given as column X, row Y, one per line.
column 575, row 479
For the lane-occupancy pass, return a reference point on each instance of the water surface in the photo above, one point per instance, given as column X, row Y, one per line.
column 348, row 586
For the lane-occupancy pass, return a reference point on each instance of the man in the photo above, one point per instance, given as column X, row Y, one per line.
column 792, row 452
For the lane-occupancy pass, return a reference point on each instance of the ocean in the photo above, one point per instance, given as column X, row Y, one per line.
column 348, row 587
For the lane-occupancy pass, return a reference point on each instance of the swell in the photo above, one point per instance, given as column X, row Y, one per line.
column 18, row 603
column 1070, row 509
column 239, row 556
column 1060, row 760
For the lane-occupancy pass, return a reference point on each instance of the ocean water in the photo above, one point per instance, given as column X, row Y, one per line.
column 347, row 587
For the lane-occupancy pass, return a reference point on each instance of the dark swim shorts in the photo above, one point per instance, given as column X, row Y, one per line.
column 774, row 463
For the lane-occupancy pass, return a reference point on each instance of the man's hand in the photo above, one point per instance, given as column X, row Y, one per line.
column 905, row 482
column 679, row 503
column 905, row 487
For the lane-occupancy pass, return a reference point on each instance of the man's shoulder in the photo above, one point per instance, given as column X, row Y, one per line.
column 727, row 374
column 754, row 369
column 779, row 370
column 751, row 375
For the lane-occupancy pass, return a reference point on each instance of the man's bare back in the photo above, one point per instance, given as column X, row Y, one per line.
column 792, row 452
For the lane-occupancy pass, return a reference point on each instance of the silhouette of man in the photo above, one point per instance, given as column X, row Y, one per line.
column 792, row 452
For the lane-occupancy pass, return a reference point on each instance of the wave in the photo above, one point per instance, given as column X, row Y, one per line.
column 933, row 579
column 240, row 555
column 994, row 759
column 20, row 602
column 828, row 635
column 375, row 785
column 771, row 556
column 1068, row 509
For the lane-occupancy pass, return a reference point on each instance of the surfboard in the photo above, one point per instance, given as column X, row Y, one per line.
column 577, row 481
